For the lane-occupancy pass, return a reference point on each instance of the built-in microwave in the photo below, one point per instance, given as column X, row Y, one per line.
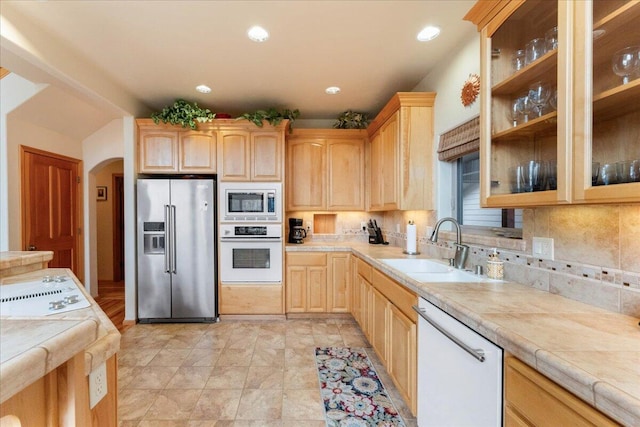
column 250, row 202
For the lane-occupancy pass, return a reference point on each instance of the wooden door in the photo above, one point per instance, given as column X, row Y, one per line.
column 345, row 159
column 296, row 282
column 50, row 206
column 317, row 289
column 118, row 227
column 266, row 158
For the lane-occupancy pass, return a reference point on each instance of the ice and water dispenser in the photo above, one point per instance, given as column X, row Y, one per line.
column 154, row 240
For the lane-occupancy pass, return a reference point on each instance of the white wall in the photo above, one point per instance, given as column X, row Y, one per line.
column 15, row 90
column 447, row 80
column 98, row 150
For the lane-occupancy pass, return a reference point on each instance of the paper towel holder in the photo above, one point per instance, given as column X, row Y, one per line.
column 407, row 252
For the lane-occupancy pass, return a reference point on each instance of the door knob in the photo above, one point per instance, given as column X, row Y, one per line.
column 32, row 248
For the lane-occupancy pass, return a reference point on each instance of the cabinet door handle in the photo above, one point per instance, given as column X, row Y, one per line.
column 478, row 353
column 32, row 248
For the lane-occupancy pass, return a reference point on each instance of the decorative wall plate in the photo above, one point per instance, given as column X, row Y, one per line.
column 470, row 90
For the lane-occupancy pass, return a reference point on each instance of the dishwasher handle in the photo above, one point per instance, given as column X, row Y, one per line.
column 478, row 353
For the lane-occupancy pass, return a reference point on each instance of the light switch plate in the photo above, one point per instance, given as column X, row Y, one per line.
column 543, row 248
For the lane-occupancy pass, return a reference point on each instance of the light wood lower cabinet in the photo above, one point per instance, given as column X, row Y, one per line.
column 61, row 398
column 382, row 308
column 251, row 299
column 317, row 282
column 531, row 399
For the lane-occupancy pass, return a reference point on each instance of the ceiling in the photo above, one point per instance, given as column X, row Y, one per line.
column 160, row 50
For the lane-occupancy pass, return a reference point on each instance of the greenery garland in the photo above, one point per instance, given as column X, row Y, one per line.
column 183, row 113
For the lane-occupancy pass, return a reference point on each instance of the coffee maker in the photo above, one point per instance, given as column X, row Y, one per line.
column 296, row 230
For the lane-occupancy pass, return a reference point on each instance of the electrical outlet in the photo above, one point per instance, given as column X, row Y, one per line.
column 363, row 225
column 97, row 385
column 397, row 228
column 542, row 248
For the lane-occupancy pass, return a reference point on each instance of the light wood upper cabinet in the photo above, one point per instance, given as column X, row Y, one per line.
column 607, row 110
column 401, row 154
column 197, row 152
column 306, row 174
column 590, row 115
column 266, row 156
column 158, row 151
column 325, row 169
column 235, row 150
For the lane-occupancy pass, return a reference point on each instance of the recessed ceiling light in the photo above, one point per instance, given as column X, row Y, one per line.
column 258, row 34
column 332, row 90
column 203, row 89
column 428, row 33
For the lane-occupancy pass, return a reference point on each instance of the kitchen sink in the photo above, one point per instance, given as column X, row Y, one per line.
column 431, row 270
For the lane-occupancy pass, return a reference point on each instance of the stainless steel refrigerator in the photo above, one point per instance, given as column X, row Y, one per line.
column 176, row 250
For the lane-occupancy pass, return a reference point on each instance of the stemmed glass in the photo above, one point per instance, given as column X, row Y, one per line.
column 524, row 107
column 626, row 62
column 514, row 113
column 539, row 94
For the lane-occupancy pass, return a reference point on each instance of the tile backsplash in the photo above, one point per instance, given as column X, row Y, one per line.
column 597, row 249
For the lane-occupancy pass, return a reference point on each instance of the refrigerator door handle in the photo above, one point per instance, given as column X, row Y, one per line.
column 174, row 259
column 167, row 241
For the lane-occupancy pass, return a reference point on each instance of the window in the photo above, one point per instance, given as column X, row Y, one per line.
column 467, row 191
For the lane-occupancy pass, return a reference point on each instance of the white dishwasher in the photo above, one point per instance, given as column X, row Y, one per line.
column 459, row 373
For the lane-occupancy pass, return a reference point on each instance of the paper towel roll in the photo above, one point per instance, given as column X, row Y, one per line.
column 411, row 239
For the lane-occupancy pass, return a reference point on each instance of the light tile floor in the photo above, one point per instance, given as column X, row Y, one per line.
column 232, row 373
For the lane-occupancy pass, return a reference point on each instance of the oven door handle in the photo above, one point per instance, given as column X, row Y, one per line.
column 478, row 353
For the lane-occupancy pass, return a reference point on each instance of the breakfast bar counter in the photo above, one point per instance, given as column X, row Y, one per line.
column 592, row 352
column 31, row 347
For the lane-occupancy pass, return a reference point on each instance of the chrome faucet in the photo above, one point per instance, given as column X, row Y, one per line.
column 462, row 251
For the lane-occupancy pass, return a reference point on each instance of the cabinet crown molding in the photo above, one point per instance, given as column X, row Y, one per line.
column 216, row 124
column 401, row 99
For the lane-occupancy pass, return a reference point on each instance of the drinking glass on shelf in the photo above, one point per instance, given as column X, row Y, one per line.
column 634, row 171
column 517, row 60
column 623, row 170
column 525, row 107
column 553, row 99
column 531, row 175
column 595, row 173
column 514, row 114
column 626, row 62
column 539, row 94
column 609, row 174
column 551, row 39
column 534, row 50
column 550, row 175
column 516, row 179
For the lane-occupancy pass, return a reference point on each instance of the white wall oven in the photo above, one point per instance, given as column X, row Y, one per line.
column 250, row 202
column 250, row 253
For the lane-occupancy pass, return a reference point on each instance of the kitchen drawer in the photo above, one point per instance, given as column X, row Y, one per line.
column 306, row 259
column 396, row 293
column 364, row 270
column 532, row 398
column 251, row 299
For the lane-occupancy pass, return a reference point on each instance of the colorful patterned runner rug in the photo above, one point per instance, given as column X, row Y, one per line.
column 351, row 390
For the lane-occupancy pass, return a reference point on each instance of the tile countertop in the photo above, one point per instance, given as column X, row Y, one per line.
column 30, row 347
column 591, row 352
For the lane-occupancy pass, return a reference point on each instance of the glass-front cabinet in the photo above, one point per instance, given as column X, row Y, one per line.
column 560, row 97
column 607, row 141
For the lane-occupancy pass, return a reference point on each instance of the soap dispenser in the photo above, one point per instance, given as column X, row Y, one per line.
column 495, row 267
